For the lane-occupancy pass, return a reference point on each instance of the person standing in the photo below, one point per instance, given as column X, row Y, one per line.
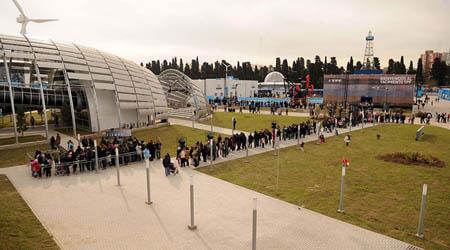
column 146, row 153
column 166, row 164
column 32, row 121
column 347, row 140
column 158, row 148
column 233, row 121
column 58, row 140
column 53, row 142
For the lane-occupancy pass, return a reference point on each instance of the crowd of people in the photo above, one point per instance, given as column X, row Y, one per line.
column 442, row 117
column 82, row 157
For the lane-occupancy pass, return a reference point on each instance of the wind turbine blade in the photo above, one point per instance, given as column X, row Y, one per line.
column 19, row 7
column 23, row 30
column 42, row 20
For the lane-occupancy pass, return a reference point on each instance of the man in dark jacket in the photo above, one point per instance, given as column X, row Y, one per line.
column 167, row 164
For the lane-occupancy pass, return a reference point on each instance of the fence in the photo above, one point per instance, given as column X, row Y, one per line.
column 63, row 168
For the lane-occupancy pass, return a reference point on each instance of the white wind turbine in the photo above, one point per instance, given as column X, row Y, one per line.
column 24, row 20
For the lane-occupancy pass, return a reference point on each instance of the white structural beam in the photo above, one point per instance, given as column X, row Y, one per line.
column 11, row 97
column 94, row 91
column 69, row 90
column 41, row 88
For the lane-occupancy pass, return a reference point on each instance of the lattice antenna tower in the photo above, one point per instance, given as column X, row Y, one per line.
column 368, row 54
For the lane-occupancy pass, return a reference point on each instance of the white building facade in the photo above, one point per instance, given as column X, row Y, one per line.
column 230, row 88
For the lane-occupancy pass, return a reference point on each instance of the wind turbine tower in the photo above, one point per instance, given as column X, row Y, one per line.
column 24, row 19
column 368, row 55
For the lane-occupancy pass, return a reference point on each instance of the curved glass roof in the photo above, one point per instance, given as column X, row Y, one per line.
column 135, row 87
column 274, row 76
column 181, row 90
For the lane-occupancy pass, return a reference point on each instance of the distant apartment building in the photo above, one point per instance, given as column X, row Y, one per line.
column 446, row 57
column 428, row 58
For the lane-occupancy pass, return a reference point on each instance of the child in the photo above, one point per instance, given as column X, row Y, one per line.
column 36, row 169
column 302, row 146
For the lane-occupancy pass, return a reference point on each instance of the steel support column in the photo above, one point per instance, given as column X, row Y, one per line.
column 69, row 90
column 41, row 88
column 93, row 90
column 8, row 78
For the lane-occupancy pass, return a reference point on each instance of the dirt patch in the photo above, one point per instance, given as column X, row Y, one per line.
column 413, row 159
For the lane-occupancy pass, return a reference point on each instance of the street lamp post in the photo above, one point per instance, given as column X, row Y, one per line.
column 225, row 94
column 385, row 98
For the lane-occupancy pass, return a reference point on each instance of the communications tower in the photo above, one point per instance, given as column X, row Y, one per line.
column 368, row 55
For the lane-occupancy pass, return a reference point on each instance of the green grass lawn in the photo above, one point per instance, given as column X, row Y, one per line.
column 18, row 156
column 22, row 139
column 251, row 122
column 169, row 136
column 19, row 228
column 380, row 196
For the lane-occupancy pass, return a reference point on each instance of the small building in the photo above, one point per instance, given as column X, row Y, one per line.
column 215, row 88
column 274, row 85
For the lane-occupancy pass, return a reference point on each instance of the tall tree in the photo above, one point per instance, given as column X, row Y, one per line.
column 402, row 68
column 165, row 65
column 419, row 72
column 21, row 120
column 181, row 65
column 358, row 65
column 376, row 63
column 390, row 69
column 285, row 68
column 278, row 64
column 187, row 70
column 411, row 68
column 439, row 71
column 333, row 67
column 350, row 66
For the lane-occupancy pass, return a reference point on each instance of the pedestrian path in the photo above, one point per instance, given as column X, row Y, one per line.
column 267, row 112
column 90, row 211
column 253, row 151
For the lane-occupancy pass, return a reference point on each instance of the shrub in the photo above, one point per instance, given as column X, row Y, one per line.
column 413, row 158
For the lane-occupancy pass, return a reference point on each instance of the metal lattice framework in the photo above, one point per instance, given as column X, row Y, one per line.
column 46, row 65
column 368, row 53
column 181, row 91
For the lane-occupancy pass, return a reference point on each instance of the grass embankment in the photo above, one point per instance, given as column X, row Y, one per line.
column 19, row 228
column 381, row 196
column 22, row 139
column 251, row 122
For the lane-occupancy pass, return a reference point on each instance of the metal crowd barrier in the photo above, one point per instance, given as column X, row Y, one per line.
column 61, row 168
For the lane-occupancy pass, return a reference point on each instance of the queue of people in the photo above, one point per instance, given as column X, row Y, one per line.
column 82, row 158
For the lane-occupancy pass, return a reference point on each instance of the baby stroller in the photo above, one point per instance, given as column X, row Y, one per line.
column 173, row 169
column 59, row 171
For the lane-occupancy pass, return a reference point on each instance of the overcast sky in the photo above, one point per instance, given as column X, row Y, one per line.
column 244, row 30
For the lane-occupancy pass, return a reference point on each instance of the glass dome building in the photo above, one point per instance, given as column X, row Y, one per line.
column 100, row 90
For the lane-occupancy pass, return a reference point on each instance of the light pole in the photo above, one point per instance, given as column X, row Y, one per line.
column 225, row 89
column 385, row 98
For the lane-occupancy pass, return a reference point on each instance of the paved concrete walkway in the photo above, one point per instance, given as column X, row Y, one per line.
column 443, row 106
column 267, row 112
column 89, row 211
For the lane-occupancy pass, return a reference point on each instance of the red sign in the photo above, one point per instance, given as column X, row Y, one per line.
column 345, row 163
